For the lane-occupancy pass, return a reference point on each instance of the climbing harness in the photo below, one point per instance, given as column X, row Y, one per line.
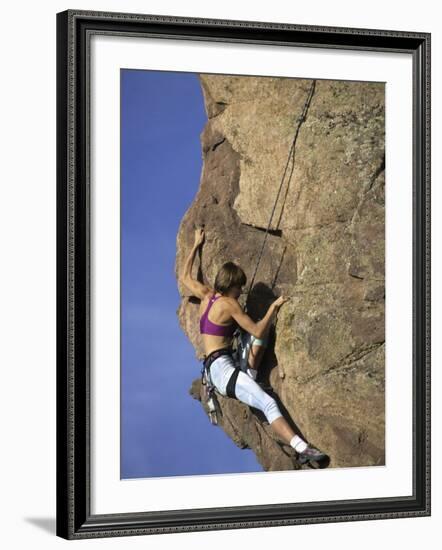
column 208, row 387
column 240, row 343
column 209, row 397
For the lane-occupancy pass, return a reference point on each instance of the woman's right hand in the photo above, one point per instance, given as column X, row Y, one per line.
column 279, row 301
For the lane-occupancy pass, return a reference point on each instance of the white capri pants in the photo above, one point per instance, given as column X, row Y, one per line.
column 246, row 389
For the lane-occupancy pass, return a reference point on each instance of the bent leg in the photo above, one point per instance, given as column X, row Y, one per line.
column 250, row 393
column 256, row 353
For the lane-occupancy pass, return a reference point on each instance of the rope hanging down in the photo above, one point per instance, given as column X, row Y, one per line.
column 292, row 148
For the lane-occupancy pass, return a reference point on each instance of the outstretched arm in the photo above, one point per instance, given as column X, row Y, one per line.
column 244, row 321
column 196, row 288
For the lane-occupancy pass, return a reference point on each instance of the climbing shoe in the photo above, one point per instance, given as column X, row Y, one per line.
column 310, row 454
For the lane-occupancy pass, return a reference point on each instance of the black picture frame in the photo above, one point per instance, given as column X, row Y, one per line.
column 74, row 518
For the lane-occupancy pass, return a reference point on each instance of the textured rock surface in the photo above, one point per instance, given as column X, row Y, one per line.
column 325, row 361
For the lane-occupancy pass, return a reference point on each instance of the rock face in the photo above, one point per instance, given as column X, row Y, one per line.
column 325, row 249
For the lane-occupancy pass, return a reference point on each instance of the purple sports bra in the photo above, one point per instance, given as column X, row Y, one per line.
column 207, row 327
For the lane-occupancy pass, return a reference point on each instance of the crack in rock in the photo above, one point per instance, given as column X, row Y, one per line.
column 347, row 361
column 275, row 232
column 217, row 144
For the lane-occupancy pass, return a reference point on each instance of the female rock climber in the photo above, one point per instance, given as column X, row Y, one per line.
column 219, row 313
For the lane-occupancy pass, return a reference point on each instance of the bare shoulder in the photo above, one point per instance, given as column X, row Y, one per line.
column 206, row 293
column 204, row 298
column 231, row 303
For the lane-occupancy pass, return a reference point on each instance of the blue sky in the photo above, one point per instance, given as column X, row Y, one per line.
column 164, row 431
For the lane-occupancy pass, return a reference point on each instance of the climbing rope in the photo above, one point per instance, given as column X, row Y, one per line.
column 292, row 148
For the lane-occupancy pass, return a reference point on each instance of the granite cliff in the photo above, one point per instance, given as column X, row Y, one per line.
column 325, row 249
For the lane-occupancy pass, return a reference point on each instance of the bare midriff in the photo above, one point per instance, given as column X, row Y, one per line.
column 213, row 343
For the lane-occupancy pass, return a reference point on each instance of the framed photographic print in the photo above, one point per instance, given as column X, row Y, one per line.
column 243, row 268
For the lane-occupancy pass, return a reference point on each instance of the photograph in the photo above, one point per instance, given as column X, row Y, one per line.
column 252, row 273
column 243, row 300
column 223, row 265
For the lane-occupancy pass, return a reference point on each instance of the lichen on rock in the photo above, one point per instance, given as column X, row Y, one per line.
column 325, row 249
